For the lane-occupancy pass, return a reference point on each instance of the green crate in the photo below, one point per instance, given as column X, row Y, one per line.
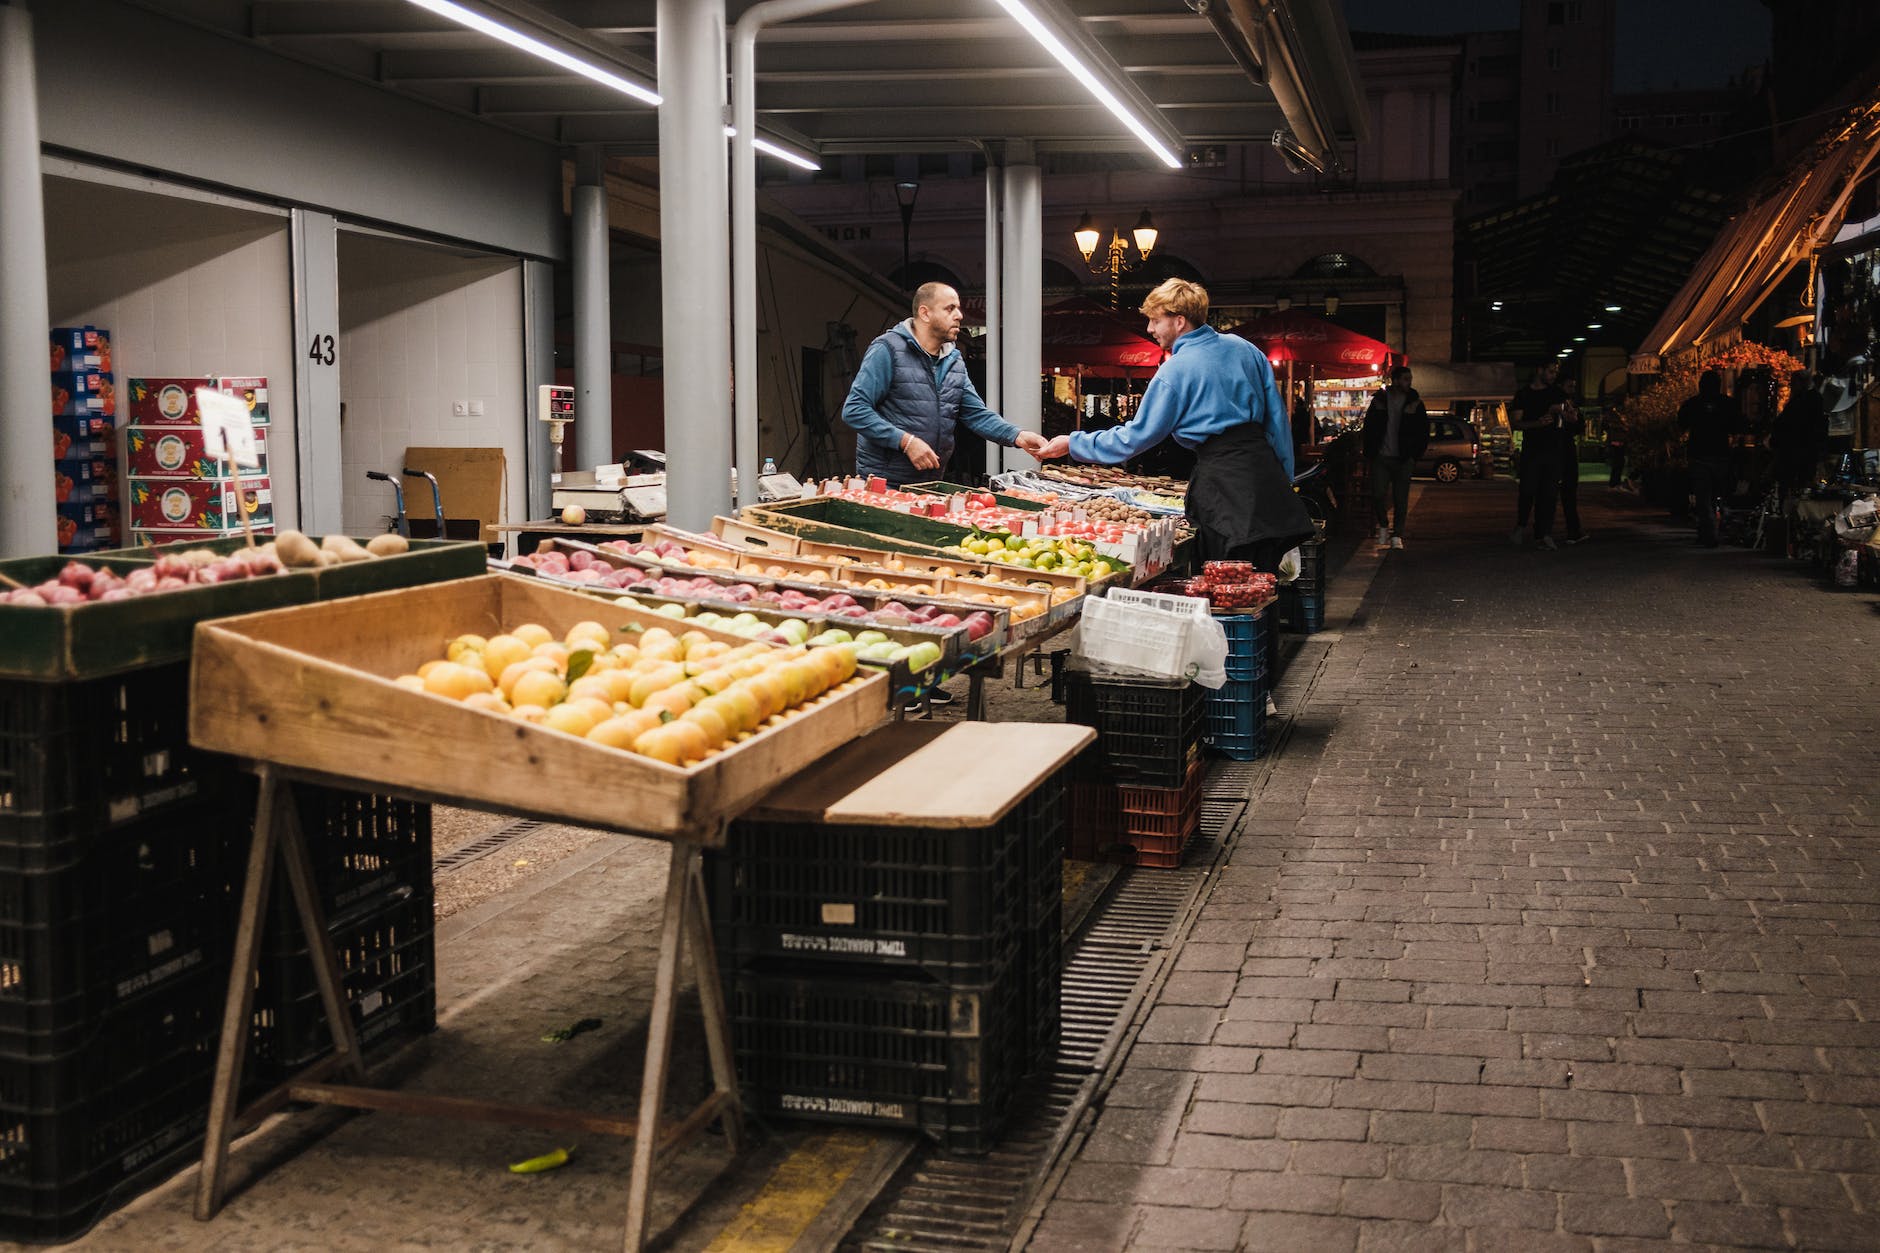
column 64, row 642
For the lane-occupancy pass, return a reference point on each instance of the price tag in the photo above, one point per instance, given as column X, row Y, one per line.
column 228, row 431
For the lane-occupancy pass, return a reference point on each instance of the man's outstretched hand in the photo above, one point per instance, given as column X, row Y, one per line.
column 1059, row 447
column 1030, row 442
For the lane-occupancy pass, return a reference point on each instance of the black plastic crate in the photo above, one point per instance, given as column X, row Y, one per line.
column 61, row 1171
column 1043, row 1013
column 1148, row 730
column 363, row 846
column 952, row 902
column 144, row 907
column 387, row 955
column 858, row 1049
column 80, row 757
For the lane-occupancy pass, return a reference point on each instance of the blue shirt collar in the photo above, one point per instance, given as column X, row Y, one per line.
column 1198, row 334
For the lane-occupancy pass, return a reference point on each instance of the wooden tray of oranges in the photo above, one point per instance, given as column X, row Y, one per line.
column 510, row 694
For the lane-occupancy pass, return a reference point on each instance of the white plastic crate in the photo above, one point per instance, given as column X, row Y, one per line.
column 1153, row 633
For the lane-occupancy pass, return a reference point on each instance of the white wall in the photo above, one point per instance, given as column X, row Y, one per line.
column 422, row 327
column 184, row 288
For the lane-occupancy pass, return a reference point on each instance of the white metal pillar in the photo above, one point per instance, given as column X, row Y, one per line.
column 1021, row 253
column 538, row 367
column 995, row 324
column 314, row 240
column 28, row 505
column 695, row 260
column 593, row 317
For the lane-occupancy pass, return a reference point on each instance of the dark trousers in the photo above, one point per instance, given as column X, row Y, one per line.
column 1615, row 466
column 1570, row 497
column 1390, row 484
column 1540, row 483
column 1706, row 483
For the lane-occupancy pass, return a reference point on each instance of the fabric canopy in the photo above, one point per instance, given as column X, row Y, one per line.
column 1084, row 337
column 1293, row 335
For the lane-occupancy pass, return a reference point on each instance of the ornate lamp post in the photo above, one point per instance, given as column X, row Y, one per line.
column 1117, row 260
column 905, row 194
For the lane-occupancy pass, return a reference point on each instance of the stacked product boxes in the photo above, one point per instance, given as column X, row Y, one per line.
column 177, row 491
column 84, row 409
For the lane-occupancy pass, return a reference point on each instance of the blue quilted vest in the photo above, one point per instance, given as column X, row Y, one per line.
column 915, row 404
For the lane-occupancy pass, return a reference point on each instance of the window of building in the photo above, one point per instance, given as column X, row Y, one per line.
column 1554, row 58
column 1557, row 13
column 1576, row 10
column 1553, row 102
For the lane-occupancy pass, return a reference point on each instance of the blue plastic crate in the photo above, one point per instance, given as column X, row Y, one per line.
column 1236, row 720
column 1246, row 644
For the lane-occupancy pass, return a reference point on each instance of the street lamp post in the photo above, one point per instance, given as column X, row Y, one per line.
column 905, row 194
column 1117, row 260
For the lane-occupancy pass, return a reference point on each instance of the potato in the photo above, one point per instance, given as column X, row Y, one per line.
column 296, row 551
column 387, row 545
column 344, row 548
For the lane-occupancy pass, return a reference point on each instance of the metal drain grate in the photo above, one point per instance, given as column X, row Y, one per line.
column 480, row 848
column 943, row 1204
column 1235, row 780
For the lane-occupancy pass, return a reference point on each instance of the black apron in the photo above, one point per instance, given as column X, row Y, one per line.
column 1240, row 501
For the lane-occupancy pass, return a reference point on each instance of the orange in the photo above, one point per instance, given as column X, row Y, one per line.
column 594, row 685
column 597, row 710
column 622, row 731
column 448, row 678
column 657, row 679
column 593, row 634
column 540, row 665
column 661, row 744
column 501, row 652
column 556, row 652
column 531, row 633
column 711, row 722
column 572, row 719
column 674, row 700
column 537, row 687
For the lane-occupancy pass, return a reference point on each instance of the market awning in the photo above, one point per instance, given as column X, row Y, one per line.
column 1293, row 335
column 1756, row 249
column 1084, row 336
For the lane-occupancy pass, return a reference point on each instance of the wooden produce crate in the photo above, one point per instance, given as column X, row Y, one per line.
column 64, row 642
column 736, row 534
column 312, row 688
column 1049, row 614
column 801, row 569
column 946, row 565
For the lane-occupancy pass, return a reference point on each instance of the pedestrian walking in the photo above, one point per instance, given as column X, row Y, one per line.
column 1708, row 420
column 1799, row 438
column 1615, row 450
column 1396, row 431
column 1572, row 426
column 1536, row 412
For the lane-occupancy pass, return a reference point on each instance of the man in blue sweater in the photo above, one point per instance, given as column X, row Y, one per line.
column 911, row 394
column 1216, row 395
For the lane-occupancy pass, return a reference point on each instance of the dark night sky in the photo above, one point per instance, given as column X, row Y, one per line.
column 1689, row 43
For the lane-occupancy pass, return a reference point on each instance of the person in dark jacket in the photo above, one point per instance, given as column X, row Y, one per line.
column 1708, row 420
column 911, row 395
column 1799, row 439
column 1396, row 431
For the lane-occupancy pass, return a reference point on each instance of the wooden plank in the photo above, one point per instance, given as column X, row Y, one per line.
column 464, row 1109
column 312, row 688
column 923, row 774
column 761, row 539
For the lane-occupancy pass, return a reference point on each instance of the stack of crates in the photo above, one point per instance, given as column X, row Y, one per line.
column 1236, row 716
column 372, row 861
column 1131, row 800
column 894, row 976
column 113, row 952
column 1302, row 601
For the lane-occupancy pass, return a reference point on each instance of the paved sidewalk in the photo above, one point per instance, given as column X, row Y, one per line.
column 1556, row 926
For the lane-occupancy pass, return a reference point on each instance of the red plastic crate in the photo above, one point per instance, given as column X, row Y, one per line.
column 1162, row 852
column 1096, row 821
column 1163, row 801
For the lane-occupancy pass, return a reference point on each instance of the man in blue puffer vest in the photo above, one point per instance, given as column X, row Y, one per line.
column 911, row 393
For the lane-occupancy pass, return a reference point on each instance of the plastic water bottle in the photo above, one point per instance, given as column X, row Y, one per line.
column 770, row 466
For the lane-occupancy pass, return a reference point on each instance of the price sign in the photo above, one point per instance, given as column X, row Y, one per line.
column 228, row 430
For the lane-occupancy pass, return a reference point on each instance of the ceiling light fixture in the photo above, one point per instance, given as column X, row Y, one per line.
column 777, row 150
column 1050, row 42
column 1613, row 309
column 534, row 47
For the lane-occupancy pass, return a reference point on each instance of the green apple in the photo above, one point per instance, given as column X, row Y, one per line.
column 871, row 637
column 671, row 611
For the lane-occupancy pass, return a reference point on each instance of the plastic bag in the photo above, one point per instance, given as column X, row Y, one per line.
column 1289, row 566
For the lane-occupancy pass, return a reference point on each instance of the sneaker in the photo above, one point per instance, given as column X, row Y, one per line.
column 1383, row 537
column 1576, row 539
column 1518, row 536
column 940, row 696
column 1547, row 542
column 1396, row 541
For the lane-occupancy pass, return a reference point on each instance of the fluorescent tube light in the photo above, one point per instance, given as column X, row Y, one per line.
column 535, row 47
column 777, row 150
column 1083, row 74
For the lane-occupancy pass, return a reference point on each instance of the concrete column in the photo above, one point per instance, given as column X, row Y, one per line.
column 1021, row 251
column 995, row 321
column 28, row 507
column 314, row 243
column 695, row 260
column 538, row 367
column 593, row 430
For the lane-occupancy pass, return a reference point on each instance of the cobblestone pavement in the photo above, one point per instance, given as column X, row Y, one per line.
column 1555, row 926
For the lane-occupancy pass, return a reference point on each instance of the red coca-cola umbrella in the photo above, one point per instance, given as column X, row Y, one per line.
column 1293, row 336
column 1086, row 337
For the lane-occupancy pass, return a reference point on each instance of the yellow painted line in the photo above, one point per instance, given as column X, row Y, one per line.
column 796, row 1194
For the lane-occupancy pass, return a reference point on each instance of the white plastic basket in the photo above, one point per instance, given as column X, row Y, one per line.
column 1153, row 633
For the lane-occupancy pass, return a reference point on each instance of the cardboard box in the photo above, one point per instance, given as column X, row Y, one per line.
column 469, row 483
column 175, row 452
column 84, row 487
column 150, row 537
column 80, row 393
column 74, row 438
column 251, row 390
column 80, row 348
column 199, row 504
column 164, row 401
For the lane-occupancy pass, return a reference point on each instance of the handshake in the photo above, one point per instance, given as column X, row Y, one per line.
column 1041, row 448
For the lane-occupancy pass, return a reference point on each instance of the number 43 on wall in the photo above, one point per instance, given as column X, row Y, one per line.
column 321, row 350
